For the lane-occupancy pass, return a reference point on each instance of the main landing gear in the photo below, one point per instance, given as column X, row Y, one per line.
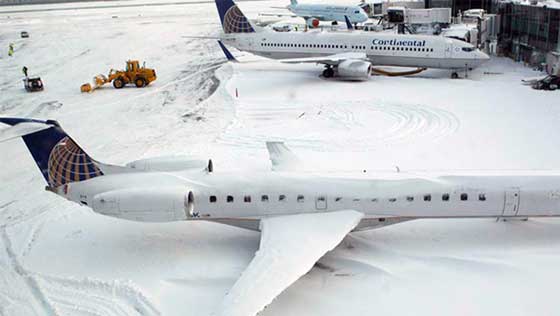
column 328, row 72
column 454, row 75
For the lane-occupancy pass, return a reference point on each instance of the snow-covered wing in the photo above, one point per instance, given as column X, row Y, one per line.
column 328, row 60
column 290, row 246
column 279, row 15
column 281, row 157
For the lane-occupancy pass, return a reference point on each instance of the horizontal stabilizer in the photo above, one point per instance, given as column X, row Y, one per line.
column 290, row 246
column 21, row 129
column 281, row 157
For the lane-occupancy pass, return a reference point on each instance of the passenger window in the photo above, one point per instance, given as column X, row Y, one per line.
column 264, row 198
column 392, row 200
column 445, row 197
column 464, row 196
column 482, row 197
column 229, row 199
column 213, row 199
column 410, row 198
column 338, row 199
column 247, row 199
column 300, row 199
column 427, row 197
column 356, row 200
column 374, row 200
column 281, row 198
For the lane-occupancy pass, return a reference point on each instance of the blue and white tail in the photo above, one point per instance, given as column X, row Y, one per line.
column 233, row 20
column 59, row 158
column 293, row 2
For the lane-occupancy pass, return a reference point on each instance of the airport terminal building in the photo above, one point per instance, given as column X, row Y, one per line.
column 531, row 34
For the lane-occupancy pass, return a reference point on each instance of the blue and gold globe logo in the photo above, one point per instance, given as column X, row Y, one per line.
column 236, row 22
column 69, row 163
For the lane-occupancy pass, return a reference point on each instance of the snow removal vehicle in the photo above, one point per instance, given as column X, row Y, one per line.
column 33, row 84
column 134, row 74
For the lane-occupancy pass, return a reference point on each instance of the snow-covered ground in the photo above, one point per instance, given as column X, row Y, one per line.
column 58, row 258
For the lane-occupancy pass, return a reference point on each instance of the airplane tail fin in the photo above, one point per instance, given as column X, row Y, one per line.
column 59, row 158
column 348, row 24
column 233, row 20
column 293, row 2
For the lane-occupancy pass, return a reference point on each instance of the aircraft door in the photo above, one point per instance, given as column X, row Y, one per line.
column 321, row 202
column 448, row 50
column 511, row 202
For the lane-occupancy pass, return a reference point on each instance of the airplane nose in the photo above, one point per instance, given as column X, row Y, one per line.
column 483, row 56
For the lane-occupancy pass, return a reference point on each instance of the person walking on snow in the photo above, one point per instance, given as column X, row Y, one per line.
column 24, row 69
column 11, row 50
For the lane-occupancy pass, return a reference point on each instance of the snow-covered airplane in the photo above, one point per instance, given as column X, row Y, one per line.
column 349, row 55
column 301, row 215
column 314, row 13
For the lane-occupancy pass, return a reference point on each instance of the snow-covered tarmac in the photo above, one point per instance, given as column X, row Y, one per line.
column 58, row 258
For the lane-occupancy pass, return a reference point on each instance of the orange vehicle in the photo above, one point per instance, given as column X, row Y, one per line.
column 134, row 74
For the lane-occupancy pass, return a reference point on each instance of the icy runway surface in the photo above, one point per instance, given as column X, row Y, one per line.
column 57, row 258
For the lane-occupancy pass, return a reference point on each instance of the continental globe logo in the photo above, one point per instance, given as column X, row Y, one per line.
column 236, row 22
column 69, row 163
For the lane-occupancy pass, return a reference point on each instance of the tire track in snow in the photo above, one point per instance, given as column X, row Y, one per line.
column 95, row 297
column 350, row 123
column 39, row 301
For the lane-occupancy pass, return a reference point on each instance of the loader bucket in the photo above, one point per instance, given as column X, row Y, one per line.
column 86, row 87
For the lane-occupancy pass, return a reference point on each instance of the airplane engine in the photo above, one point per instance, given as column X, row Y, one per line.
column 354, row 69
column 313, row 23
column 143, row 204
column 170, row 163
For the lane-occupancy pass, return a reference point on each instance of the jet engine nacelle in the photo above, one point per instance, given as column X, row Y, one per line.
column 170, row 163
column 354, row 69
column 312, row 23
column 144, row 205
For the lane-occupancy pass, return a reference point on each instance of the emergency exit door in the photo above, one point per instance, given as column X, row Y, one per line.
column 321, row 202
column 511, row 202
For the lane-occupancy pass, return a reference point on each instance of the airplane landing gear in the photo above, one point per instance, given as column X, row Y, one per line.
column 328, row 72
column 454, row 75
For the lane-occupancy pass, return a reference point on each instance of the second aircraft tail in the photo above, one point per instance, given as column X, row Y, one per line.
column 233, row 20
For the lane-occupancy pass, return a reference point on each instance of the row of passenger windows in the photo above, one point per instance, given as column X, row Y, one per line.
column 300, row 198
column 397, row 48
column 407, row 49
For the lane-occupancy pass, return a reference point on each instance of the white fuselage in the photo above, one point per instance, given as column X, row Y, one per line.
column 381, row 48
column 235, row 198
column 323, row 12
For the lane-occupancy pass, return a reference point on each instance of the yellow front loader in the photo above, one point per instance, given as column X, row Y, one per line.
column 134, row 74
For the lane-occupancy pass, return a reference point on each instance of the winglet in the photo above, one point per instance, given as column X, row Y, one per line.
column 226, row 51
column 348, row 24
column 281, row 157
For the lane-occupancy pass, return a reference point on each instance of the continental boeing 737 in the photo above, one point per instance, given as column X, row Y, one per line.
column 313, row 13
column 288, row 206
column 349, row 55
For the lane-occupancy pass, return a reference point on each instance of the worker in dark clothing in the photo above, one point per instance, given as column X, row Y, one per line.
column 24, row 69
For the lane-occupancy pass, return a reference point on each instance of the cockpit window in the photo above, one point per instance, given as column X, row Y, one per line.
column 467, row 49
column 356, row 12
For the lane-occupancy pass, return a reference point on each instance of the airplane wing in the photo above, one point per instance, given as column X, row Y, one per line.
column 290, row 246
column 281, row 157
column 279, row 15
column 332, row 60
